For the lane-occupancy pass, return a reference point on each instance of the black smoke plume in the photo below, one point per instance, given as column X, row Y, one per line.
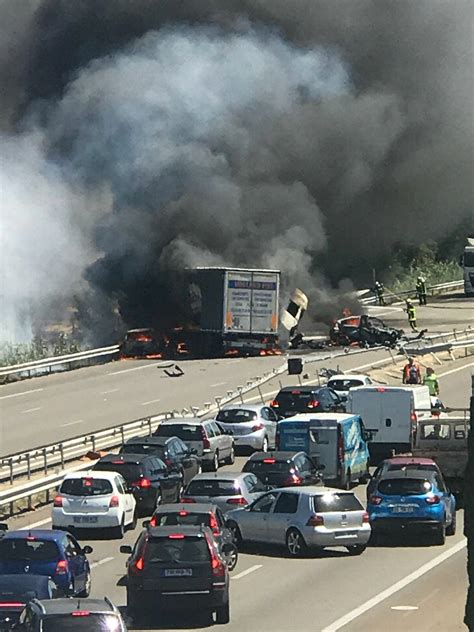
column 309, row 136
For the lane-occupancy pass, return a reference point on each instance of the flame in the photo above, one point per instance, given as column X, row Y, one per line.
column 181, row 347
column 231, row 352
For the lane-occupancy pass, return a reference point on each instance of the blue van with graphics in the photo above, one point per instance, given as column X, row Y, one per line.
column 337, row 441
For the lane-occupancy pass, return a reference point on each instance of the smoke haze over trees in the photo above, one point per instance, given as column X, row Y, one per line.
column 141, row 137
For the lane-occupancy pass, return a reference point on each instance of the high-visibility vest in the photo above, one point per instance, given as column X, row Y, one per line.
column 411, row 313
column 431, row 381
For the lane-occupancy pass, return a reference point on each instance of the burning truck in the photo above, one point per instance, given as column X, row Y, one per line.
column 231, row 311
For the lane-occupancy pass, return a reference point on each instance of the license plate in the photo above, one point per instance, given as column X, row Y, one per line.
column 345, row 534
column 178, row 572
column 403, row 509
column 85, row 519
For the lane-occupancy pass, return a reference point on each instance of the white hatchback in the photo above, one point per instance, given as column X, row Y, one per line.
column 94, row 500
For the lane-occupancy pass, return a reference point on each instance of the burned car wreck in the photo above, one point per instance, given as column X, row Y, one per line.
column 364, row 330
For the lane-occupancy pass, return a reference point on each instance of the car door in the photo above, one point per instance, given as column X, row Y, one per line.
column 223, row 441
column 253, row 521
column 189, row 462
column 282, row 517
column 164, row 486
column 76, row 561
column 127, row 500
column 445, row 497
column 270, row 418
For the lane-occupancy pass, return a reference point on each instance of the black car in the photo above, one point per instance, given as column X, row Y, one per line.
column 71, row 615
column 283, row 469
column 203, row 514
column 177, row 566
column 292, row 400
column 17, row 590
column 142, row 343
column 175, row 454
column 146, row 476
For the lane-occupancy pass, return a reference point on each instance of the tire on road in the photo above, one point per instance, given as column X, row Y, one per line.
column 230, row 460
column 223, row 614
column 295, row 544
column 451, row 528
column 440, row 536
column 356, row 549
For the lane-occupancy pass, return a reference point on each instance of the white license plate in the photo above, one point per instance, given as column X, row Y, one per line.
column 345, row 534
column 178, row 572
column 85, row 519
column 403, row 509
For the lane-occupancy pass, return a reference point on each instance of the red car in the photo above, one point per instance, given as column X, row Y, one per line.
column 400, row 463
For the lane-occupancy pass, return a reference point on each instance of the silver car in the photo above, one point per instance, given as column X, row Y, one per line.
column 212, row 443
column 227, row 490
column 302, row 518
column 253, row 426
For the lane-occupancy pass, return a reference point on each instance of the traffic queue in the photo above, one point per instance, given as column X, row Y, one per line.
column 307, row 451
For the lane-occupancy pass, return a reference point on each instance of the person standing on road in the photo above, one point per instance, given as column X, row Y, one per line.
column 379, row 292
column 431, row 381
column 411, row 372
column 411, row 311
column 421, row 289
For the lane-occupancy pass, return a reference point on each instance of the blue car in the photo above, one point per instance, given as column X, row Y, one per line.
column 412, row 501
column 56, row 554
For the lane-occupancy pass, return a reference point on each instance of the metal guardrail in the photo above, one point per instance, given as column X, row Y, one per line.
column 432, row 289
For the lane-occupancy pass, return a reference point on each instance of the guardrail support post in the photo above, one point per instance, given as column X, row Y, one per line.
column 28, row 465
column 122, row 434
column 61, row 452
column 218, row 402
column 240, row 389
column 260, row 393
column 10, row 465
column 93, row 442
column 45, row 459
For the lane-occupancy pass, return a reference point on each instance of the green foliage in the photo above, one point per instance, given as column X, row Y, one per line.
column 37, row 349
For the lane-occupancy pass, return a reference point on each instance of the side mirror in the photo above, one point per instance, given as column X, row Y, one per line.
column 193, row 451
column 146, row 524
column 126, row 548
column 87, row 550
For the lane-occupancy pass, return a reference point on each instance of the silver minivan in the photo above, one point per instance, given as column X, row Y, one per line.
column 302, row 518
column 213, row 444
column 253, row 425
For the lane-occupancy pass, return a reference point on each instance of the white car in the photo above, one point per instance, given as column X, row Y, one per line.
column 342, row 382
column 94, row 500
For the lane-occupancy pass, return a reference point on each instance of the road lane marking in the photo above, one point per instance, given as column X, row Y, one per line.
column 252, row 569
column 30, row 410
column 404, row 608
column 72, row 423
column 112, row 390
column 34, row 390
column 152, row 401
column 100, row 562
column 135, row 368
column 218, row 384
column 460, row 368
column 403, row 583
column 35, row 525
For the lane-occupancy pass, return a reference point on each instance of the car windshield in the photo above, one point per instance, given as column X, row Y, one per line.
column 435, row 431
column 87, row 486
column 183, row 518
column 344, row 385
column 336, row 502
column 404, row 486
column 177, row 549
column 130, row 471
column 236, row 415
column 33, row 549
column 82, row 621
column 185, row 432
column 213, row 488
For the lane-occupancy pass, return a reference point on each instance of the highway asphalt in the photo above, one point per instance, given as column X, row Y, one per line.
column 403, row 586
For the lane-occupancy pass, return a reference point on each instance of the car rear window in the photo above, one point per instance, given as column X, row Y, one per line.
column 84, row 621
column 143, row 448
column 184, row 432
column 289, row 397
column 236, row 415
column 183, row 518
column 23, row 549
column 176, row 549
column 213, row 488
column 130, row 471
column 396, row 467
column 404, row 486
column 336, row 502
column 261, row 466
column 86, row 487
column 344, row 385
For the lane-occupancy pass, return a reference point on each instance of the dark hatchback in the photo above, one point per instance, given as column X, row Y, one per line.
column 179, row 567
column 17, row 590
column 174, row 453
column 146, row 476
column 293, row 400
column 283, row 469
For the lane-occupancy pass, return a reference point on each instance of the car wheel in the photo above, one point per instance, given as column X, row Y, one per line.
column 356, row 549
column 451, row 528
column 133, row 524
column 234, row 528
column 215, row 462
column 133, row 609
column 85, row 592
column 295, row 544
column 265, row 444
column 223, row 614
column 230, row 460
column 119, row 532
column 365, row 478
column 440, row 536
column 232, row 558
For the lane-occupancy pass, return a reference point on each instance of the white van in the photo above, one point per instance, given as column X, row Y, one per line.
column 391, row 413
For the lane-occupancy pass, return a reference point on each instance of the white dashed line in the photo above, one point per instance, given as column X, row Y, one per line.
column 112, row 390
column 30, row 410
column 35, row 525
column 460, row 368
column 407, row 608
column 218, row 384
column 100, row 562
column 35, row 390
column 152, row 401
column 252, row 569
column 72, row 423
column 135, row 368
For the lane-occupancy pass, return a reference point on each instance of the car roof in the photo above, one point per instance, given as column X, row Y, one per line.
column 280, row 456
column 409, row 460
column 313, row 490
column 255, row 407
column 124, row 458
column 153, row 440
column 23, row 582
column 219, row 476
column 321, row 416
column 191, row 530
column 40, row 534
column 187, row 421
column 301, row 389
column 189, row 507
column 348, row 376
column 419, row 474
column 67, row 605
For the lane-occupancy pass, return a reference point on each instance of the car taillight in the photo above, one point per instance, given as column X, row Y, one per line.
column 257, row 427
column 414, row 418
column 12, row 604
column 114, row 501
column 340, row 446
column 294, row 479
column 269, row 460
column 187, row 500
column 144, row 483
column 58, row 501
column 205, row 441
column 214, row 525
column 313, row 404
column 365, row 517
column 274, row 404
column 153, row 521
column 217, row 565
column 237, row 500
column 80, row 613
column 433, row 500
column 139, row 564
column 315, row 521
column 62, row 567
column 375, row 500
